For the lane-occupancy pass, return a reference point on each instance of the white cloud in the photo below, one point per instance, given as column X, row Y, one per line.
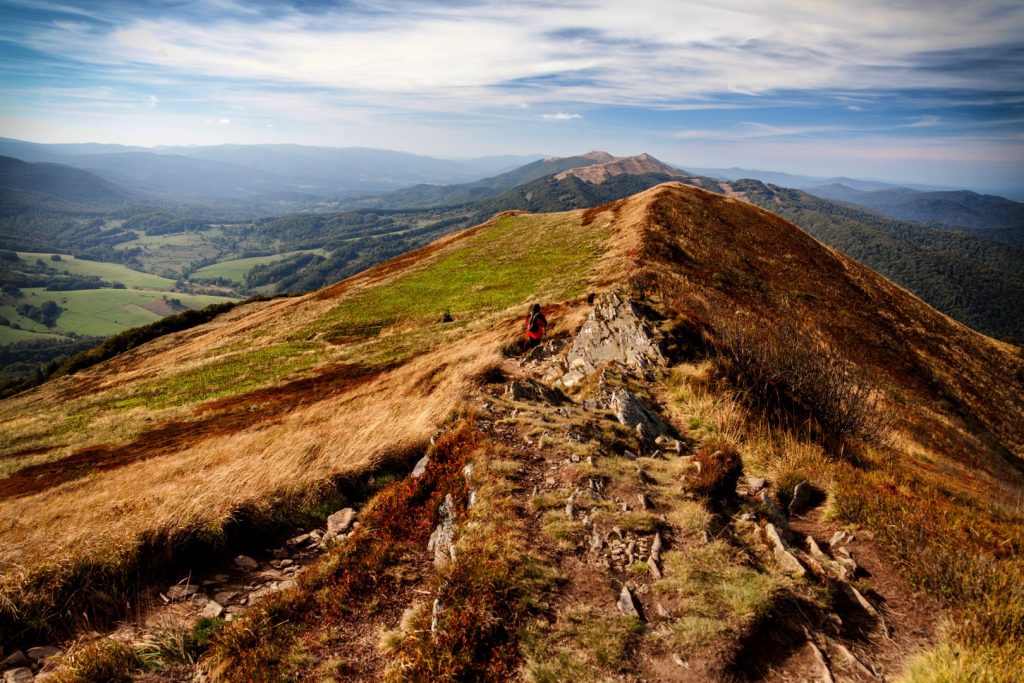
column 854, row 107
column 923, row 122
column 447, row 57
column 561, row 116
column 152, row 101
column 223, row 121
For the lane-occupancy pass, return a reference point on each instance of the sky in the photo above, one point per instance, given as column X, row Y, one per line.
column 916, row 90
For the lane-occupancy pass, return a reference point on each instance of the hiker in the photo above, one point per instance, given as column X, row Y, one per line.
column 535, row 325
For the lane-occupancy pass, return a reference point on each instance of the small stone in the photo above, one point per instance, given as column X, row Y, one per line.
column 654, row 569
column 755, row 484
column 631, row 551
column 181, row 591
column 662, row 611
column 467, row 471
column 656, row 547
column 15, row 659
column 591, row 461
column 212, row 610
column 39, row 653
column 224, row 597
column 628, row 454
column 802, row 494
column 421, row 466
column 628, row 604
column 856, row 596
column 297, row 540
column 837, row 538
column 774, row 514
column 279, row 553
column 787, row 561
column 19, row 675
column 645, row 504
column 340, row 521
column 247, row 563
column 679, row 661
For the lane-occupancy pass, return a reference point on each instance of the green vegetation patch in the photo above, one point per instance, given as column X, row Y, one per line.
column 103, row 312
column 505, row 264
column 232, row 375
column 111, row 272
column 234, row 270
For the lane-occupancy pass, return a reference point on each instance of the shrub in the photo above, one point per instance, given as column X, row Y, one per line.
column 717, row 473
column 779, row 369
column 100, row 661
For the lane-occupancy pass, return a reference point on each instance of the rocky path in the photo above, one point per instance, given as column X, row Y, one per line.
column 605, row 486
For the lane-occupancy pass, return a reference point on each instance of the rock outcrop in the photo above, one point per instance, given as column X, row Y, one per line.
column 615, row 331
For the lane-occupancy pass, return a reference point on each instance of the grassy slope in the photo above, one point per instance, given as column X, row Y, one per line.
column 947, row 483
column 111, row 272
column 235, row 269
column 308, row 433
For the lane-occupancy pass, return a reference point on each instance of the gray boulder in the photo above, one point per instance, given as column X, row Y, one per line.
column 614, row 331
column 531, row 390
column 13, row 660
column 20, row 675
column 441, row 542
column 37, row 654
column 340, row 521
column 628, row 604
column 633, row 412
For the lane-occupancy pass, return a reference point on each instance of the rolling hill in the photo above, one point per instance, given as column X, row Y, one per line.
column 27, row 185
column 580, row 511
column 989, row 216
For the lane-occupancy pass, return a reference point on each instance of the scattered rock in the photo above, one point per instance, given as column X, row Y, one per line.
column 755, row 484
column 179, row 591
column 596, row 542
column 645, row 504
column 224, row 597
column 654, row 569
column 614, row 331
column 247, row 563
column 856, row 596
column 279, row 553
column 634, row 413
column 815, row 549
column 20, row 675
column 532, row 390
column 803, row 493
column 212, row 610
column 837, row 538
column 435, row 612
column 441, row 541
column 40, row 653
column 297, row 540
column 421, row 466
column 772, row 511
column 656, row 547
column 787, row 560
column 340, row 521
column 662, row 611
column 826, row 674
column 628, row 604
column 15, row 659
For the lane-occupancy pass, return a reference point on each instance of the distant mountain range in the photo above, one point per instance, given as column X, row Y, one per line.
column 258, row 173
column 803, row 182
column 993, row 217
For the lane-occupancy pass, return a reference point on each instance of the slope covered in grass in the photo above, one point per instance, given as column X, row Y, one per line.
column 266, row 403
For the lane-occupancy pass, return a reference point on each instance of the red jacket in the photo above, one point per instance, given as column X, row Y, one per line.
column 535, row 326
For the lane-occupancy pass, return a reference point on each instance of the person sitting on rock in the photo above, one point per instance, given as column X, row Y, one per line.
column 535, row 326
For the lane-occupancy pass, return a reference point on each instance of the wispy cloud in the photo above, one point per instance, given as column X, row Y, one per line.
column 561, row 116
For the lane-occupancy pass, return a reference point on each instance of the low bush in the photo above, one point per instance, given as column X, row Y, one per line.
column 717, row 473
column 780, row 370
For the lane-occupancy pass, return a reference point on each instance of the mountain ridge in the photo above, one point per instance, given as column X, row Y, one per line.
column 282, row 397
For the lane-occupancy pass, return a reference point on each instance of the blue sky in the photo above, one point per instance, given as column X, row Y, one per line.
column 906, row 89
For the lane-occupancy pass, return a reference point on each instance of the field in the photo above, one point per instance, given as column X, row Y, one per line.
column 111, row 272
column 103, row 312
column 171, row 254
column 234, row 270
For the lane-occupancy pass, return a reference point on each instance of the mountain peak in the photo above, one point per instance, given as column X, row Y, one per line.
column 598, row 156
column 634, row 165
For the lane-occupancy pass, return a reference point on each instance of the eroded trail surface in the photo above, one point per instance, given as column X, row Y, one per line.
column 664, row 562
